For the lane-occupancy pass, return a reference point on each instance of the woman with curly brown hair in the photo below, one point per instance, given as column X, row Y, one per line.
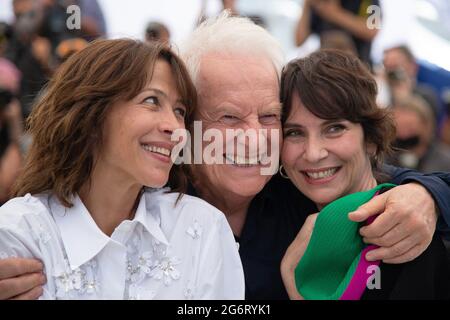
column 88, row 204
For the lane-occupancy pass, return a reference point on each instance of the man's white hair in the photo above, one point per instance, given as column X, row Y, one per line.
column 230, row 35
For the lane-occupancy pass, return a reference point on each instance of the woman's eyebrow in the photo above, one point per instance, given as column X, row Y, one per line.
column 331, row 121
column 161, row 93
column 158, row 91
column 289, row 125
column 323, row 124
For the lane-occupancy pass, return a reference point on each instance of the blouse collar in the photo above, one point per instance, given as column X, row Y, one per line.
column 83, row 239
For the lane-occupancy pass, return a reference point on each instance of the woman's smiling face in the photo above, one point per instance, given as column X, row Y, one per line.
column 325, row 159
column 137, row 134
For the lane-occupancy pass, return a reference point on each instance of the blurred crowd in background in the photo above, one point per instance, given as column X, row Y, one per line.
column 37, row 41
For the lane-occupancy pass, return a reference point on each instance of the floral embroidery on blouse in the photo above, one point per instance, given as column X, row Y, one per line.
column 158, row 255
column 157, row 264
column 159, row 249
column 140, row 267
column 195, row 231
column 165, row 269
column 43, row 234
column 139, row 293
column 189, row 291
column 72, row 283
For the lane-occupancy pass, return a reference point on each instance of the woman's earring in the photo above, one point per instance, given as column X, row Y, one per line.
column 282, row 173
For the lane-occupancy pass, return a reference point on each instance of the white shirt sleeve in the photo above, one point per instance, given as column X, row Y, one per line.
column 18, row 233
column 14, row 243
column 221, row 275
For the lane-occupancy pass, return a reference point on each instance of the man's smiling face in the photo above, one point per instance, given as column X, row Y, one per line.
column 238, row 92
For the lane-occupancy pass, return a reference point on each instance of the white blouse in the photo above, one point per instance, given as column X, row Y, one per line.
column 168, row 251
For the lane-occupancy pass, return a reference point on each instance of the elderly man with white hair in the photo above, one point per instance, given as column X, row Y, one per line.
column 236, row 68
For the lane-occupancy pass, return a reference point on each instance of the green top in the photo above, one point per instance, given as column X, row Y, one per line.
column 333, row 253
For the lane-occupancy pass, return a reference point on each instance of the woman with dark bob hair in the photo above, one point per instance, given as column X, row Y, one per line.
column 89, row 201
column 335, row 137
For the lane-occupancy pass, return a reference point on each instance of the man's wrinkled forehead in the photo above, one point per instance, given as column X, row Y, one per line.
column 220, row 71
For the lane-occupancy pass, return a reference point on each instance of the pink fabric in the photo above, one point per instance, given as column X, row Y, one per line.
column 9, row 76
column 358, row 283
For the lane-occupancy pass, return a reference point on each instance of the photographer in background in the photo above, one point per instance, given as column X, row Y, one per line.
column 401, row 74
column 10, row 83
column 11, row 121
column 349, row 16
column 10, row 155
column 417, row 146
column 29, row 51
column 445, row 134
column 53, row 27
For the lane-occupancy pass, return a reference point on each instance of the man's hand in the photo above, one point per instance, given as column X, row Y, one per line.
column 406, row 224
column 21, row 279
column 293, row 256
